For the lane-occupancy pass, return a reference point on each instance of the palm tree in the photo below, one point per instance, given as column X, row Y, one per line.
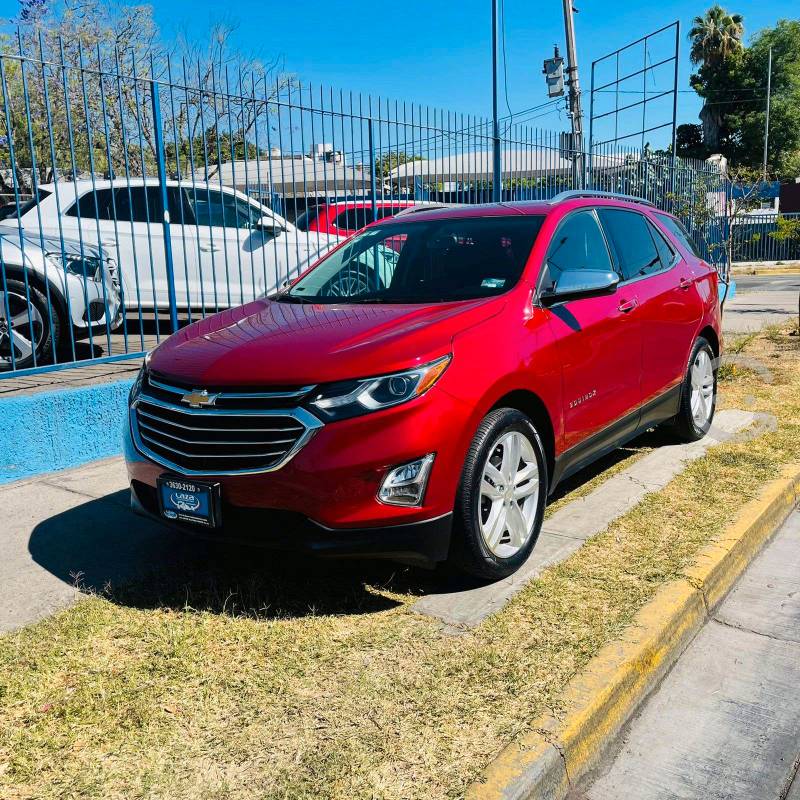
column 715, row 35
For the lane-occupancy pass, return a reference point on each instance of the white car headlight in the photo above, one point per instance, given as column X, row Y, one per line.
column 90, row 267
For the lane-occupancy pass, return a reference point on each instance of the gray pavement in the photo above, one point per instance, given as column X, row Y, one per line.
column 725, row 723
column 761, row 300
column 768, row 283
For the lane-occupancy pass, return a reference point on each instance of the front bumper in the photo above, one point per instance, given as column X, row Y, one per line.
column 94, row 305
column 324, row 499
column 422, row 543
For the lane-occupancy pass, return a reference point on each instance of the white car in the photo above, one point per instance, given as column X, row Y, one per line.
column 226, row 247
column 52, row 292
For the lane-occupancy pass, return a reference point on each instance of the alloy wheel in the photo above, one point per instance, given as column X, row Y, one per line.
column 509, row 494
column 21, row 328
column 702, row 395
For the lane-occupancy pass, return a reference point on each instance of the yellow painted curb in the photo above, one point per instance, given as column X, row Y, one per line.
column 559, row 752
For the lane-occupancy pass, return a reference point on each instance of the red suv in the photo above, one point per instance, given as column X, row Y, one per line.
column 421, row 390
column 346, row 218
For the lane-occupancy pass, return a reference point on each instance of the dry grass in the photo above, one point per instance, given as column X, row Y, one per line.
column 266, row 680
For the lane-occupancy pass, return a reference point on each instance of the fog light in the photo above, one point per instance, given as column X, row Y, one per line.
column 405, row 485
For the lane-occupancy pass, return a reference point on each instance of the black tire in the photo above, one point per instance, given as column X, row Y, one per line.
column 469, row 551
column 41, row 327
column 684, row 426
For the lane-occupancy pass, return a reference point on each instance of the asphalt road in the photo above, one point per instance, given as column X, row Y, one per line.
column 767, row 283
column 761, row 300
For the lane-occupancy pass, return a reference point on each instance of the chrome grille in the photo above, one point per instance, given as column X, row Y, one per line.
column 243, row 432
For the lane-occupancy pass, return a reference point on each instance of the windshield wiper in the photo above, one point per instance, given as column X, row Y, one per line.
column 293, row 298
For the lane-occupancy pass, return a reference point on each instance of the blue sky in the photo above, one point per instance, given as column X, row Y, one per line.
column 437, row 52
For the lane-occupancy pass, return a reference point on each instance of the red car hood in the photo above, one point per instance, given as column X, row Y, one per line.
column 284, row 344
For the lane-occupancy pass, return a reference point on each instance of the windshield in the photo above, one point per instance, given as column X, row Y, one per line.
column 307, row 217
column 426, row 261
column 8, row 210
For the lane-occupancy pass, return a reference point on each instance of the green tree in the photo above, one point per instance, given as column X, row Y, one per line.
column 80, row 59
column 783, row 156
column 731, row 79
column 716, row 48
column 715, row 36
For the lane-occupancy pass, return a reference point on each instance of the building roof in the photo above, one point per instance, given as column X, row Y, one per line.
column 293, row 176
column 477, row 165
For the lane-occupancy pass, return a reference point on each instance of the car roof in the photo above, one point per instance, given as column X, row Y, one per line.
column 525, row 207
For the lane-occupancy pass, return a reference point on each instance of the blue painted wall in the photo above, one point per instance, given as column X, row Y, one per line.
column 45, row 431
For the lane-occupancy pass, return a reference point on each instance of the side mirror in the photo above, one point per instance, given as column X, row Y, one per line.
column 270, row 226
column 573, row 284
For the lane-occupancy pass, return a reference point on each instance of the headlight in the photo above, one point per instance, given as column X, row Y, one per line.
column 90, row 267
column 136, row 389
column 351, row 398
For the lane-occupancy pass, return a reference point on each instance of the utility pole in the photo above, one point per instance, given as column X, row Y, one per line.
column 497, row 175
column 766, row 124
column 575, row 112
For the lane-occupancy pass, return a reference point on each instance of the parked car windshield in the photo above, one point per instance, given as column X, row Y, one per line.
column 423, row 262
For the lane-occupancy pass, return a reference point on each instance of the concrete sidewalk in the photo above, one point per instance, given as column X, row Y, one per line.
column 725, row 722
column 67, row 528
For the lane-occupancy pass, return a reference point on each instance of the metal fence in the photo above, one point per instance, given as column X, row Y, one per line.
column 144, row 196
column 756, row 237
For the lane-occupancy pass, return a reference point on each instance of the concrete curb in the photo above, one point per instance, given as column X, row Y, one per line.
column 46, row 431
column 789, row 270
column 560, row 752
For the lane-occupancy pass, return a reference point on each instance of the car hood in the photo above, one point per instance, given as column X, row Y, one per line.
column 266, row 343
column 33, row 243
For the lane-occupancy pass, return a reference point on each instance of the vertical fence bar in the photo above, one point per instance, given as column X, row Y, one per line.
column 372, row 175
column 161, row 168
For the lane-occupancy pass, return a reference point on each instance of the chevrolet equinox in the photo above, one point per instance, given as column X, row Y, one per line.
column 420, row 391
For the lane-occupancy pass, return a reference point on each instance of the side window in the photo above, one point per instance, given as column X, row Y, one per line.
column 680, row 233
column 629, row 234
column 180, row 209
column 92, row 205
column 221, row 210
column 578, row 244
column 353, row 219
column 387, row 211
column 665, row 252
column 138, row 204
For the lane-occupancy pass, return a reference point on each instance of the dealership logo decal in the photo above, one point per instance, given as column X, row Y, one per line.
column 184, row 502
column 199, row 398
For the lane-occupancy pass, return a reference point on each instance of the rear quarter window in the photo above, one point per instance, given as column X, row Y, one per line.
column 677, row 229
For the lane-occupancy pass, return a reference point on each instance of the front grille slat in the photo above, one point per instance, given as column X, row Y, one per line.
column 212, row 441
column 221, row 430
column 246, row 437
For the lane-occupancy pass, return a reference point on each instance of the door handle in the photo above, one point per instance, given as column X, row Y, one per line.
column 626, row 306
column 684, row 284
column 209, row 248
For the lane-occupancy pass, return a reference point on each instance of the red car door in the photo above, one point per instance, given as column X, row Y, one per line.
column 599, row 342
column 669, row 304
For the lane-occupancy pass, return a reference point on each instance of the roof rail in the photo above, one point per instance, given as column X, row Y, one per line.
column 573, row 194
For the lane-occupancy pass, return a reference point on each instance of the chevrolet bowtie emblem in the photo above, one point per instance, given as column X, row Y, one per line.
column 199, row 398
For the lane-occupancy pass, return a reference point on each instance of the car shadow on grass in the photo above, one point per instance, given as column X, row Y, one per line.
column 103, row 548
